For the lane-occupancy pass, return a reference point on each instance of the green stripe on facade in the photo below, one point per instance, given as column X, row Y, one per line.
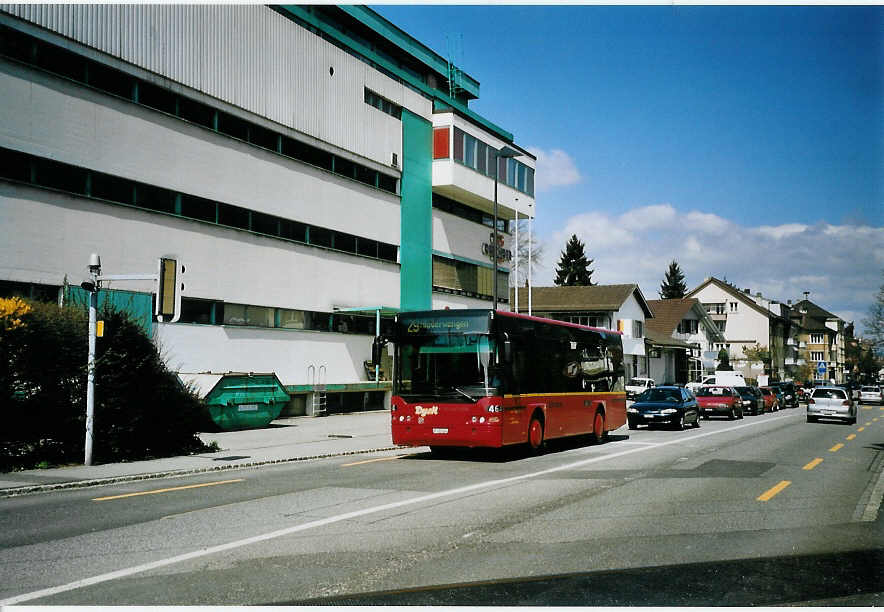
column 416, row 227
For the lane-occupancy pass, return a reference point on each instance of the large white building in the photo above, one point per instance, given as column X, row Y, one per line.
column 310, row 166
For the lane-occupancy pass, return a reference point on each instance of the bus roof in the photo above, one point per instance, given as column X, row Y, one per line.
column 514, row 315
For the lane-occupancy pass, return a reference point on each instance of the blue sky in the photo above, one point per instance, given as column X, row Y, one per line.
column 747, row 143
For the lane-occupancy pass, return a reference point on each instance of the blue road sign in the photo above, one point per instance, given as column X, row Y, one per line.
column 821, row 368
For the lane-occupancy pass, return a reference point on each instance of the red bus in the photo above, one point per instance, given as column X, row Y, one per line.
column 470, row 378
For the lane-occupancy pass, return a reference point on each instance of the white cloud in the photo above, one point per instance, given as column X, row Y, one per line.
column 839, row 265
column 555, row 168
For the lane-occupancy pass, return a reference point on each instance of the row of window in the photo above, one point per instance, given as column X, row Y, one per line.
column 37, row 53
column 452, row 276
column 382, row 104
column 469, row 213
column 475, row 154
column 214, row 312
column 688, row 326
column 21, row 167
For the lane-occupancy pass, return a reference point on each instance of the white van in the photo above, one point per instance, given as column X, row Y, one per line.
column 721, row 377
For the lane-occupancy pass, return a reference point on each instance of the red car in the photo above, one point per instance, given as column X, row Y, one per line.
column 771, row 404
column 720, row 400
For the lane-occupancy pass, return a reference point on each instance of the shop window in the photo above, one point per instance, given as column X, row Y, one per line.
column 345, row 167
column 387, row 183
column 61, row 62
column 206, row 312
column 111, row 188
column 345, row 242
column 109, row 80
column 265, row 224
column 15, row 166
column 16, row 45
column 233, row 126
column 367, row 247
column 196, row 112
column 154, row 198
column 157, row 97
column 262, row 137
column 291, row 319
column 60, row 176
column 320, row 236
column 198, row 208
column 233, row 216
column 387, row 252
column 292, row 230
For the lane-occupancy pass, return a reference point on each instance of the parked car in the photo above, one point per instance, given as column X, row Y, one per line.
column 637, row 386
column 719, row 400
column 789, row 395
column 770, row 399
column 752, row 404
column 831, row 402
column 671, row 405
column 869, row 394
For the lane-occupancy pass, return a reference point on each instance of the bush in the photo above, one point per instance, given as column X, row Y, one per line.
column 141, row 409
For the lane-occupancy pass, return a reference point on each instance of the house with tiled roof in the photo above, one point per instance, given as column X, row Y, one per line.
column 676, row 339
column 620, row 307
column 823, row 335
column 747, row 322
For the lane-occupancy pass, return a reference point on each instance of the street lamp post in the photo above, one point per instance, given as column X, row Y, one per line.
column 505, row 153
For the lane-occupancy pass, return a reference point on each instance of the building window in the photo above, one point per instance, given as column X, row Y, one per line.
column 816, row 338
column 382, row 104
column 733, row 306
column 817, row 356
column 637, row 329
column 453, row 276
column 688, row 326
column 478, row 155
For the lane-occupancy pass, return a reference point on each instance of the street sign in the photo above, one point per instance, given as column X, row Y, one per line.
column 821, row 368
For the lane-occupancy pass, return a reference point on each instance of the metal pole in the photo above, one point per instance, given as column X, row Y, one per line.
column 90, row 373
column 377, row 334
column 516, row 249
column 529, row 265
column 494, row 239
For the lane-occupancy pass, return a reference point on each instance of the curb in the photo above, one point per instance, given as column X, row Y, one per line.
column 98, row 482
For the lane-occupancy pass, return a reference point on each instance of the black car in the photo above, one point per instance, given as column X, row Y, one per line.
column 753, row 403
column 790, row 394
column 672, row 405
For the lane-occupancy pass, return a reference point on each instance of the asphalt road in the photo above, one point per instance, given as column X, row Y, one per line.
column 766, row 510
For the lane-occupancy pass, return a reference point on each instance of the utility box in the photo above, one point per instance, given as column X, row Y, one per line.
column 240, row 400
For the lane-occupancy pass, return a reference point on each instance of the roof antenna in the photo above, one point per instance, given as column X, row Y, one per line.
column 455, row 57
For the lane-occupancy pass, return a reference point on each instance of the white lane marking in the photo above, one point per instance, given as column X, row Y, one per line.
column 196, row 554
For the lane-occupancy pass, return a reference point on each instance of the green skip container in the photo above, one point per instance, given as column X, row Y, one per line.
column 240, row 400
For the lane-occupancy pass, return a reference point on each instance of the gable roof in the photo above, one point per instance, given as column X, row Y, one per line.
column 580, row 299
column 669, row 313
column 745, row 298
column 813, row 310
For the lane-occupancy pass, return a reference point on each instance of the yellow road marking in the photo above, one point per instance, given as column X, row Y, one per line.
column 155, row 491
column 374, row 460
column 861, row 429
column 836, row 448
column 851, row 436
column 773, row 491
column 812, row 464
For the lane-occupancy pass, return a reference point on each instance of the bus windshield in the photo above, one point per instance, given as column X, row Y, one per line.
column 450, row 366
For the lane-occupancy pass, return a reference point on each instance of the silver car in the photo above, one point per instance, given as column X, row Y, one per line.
column 831, row 402
column 871, row 395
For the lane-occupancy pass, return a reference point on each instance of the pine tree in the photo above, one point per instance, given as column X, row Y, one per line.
column 573, row 269
column 673, row 286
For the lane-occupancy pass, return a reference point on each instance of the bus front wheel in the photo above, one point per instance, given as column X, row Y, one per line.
column 535, row 434
column 598, row 428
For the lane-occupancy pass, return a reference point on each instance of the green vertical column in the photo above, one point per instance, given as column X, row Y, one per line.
column 416, row 227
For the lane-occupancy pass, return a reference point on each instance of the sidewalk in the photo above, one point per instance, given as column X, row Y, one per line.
column 287, row 439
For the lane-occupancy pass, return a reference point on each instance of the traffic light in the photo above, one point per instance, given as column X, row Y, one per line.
column 169, row 288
